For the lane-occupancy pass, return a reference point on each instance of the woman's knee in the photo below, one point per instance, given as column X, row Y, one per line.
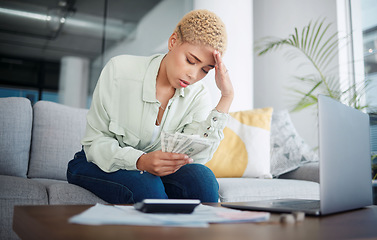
column 201, row 173
column 193, row 181
column 147, row 185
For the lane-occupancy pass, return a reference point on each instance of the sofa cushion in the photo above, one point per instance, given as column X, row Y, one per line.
column 26, row 190
column 15, row 135
column 17, row 191
column 288, row 149
column 57, row 131
column 245, row 149
column 62, row 192
column 253, row 189
column 307, row 171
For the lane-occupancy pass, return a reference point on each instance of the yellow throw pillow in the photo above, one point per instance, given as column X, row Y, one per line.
column 245, row 149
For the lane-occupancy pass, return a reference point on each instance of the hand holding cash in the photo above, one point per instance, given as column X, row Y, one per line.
column 182, row 143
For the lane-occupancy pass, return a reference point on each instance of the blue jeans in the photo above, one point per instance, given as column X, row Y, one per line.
column 192, row 181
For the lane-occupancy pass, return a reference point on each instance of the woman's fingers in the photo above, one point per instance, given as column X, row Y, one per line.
column 219, row 62
column 221, row 76
column 162, row 163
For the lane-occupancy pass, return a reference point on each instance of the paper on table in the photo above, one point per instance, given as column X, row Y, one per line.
column 201, row 217
column 125, row 215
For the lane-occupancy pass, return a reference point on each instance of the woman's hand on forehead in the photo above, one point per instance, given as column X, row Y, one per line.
column 222, row 76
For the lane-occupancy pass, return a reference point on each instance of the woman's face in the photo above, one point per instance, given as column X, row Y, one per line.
column 187, row 63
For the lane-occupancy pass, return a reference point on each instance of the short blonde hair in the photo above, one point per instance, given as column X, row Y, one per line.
column 202, row 27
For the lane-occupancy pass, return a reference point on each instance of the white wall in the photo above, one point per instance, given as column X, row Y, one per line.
column 153, row 31
column 273, row 73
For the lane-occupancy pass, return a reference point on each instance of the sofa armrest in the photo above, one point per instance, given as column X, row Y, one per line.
column 308, row 171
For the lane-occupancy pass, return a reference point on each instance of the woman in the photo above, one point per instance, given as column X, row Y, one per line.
column 136, row 98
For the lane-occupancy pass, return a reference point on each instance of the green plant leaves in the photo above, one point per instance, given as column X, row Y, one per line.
column 319, row 47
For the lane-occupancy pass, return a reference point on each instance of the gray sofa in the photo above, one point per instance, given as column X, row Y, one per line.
column 36, row 143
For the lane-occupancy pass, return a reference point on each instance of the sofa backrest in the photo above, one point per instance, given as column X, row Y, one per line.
column 57, row 132
column 15, row 135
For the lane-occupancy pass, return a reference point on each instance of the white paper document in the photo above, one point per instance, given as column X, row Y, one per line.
column 201, row 217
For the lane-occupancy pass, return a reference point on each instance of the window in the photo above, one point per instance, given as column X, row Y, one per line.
column 359, row 26
column 30, row 78
column 369, row 29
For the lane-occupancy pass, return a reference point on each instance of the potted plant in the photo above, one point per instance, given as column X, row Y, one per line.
column 318, row 47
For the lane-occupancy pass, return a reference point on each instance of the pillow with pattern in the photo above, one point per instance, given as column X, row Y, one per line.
column 288, row 150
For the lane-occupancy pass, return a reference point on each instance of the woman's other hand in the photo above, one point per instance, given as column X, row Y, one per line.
column 162, row 163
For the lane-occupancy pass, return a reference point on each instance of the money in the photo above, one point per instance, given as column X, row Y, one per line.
column 182, row 143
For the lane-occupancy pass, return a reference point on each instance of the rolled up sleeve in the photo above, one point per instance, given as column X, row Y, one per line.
column 211, row 129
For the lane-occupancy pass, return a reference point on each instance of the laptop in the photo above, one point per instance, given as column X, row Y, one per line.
column 344, row 165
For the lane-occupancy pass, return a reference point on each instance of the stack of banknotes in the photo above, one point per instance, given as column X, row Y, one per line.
column 182, row 143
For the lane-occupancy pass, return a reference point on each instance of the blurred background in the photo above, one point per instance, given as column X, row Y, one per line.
column 54, row 50
column 44, row 44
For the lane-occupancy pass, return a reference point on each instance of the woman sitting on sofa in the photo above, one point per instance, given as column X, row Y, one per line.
column 136, row 98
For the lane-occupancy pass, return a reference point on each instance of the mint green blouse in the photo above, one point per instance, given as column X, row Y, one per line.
column 122, row 116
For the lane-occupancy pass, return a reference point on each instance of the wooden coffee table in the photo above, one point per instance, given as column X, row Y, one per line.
column 51, row 222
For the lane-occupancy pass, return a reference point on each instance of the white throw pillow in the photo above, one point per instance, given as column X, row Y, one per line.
column 245, row 149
